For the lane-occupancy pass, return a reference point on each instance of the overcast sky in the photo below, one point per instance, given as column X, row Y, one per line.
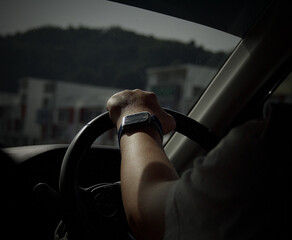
column 21, row 15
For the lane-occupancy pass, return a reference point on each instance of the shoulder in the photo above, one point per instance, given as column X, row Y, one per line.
column 242, row 143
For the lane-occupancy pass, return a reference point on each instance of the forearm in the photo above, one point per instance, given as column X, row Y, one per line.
column 146, row 175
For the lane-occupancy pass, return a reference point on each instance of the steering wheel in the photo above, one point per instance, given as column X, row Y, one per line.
column 99, row 208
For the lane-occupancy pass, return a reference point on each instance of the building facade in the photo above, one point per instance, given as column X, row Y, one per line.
column 45, row 111
column 179, row 87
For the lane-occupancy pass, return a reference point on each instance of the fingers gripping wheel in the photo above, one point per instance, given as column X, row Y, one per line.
column 108, row 223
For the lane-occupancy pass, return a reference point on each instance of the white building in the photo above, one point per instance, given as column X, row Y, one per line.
column 10, row 118
column 178, row 87
column 54, row 111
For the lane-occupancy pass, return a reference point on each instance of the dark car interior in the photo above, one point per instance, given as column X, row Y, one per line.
column 44, row 184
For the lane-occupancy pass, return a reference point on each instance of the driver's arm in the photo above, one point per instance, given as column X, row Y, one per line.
column 146, row 172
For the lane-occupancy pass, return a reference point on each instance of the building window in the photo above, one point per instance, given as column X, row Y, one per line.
column 47, row 103
column 168, row 95
column 171, row 75
column 44, row 116
column 23, row 83
column 87, row 114
column 49, row 88
column 23, row 99
column 66, row 115
column 197, row 91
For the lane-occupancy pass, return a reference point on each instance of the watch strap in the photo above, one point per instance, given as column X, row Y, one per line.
column 154, row 122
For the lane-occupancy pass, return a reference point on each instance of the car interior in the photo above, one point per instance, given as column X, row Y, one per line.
column 76, row 184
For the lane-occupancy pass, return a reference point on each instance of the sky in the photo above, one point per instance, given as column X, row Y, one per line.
column 22, row 15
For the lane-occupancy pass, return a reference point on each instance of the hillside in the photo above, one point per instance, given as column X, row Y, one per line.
column 111, row 57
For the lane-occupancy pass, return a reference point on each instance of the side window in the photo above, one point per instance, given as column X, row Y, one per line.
column 284, row 92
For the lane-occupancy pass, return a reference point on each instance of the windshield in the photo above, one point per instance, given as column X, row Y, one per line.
column 61, row 61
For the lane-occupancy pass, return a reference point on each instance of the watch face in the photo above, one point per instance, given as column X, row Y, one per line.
column 136, row 119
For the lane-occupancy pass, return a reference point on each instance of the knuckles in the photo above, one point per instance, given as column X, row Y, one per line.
column 132, row 101
column 131, row 97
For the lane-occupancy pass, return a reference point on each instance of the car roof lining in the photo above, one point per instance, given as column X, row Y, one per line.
column 233, row 17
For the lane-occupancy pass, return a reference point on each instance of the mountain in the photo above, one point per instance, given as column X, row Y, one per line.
column 106, row 57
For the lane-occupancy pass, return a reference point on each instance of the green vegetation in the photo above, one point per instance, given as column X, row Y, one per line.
column 106, row 57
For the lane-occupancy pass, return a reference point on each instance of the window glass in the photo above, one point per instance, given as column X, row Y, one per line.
column 284, row 92
column 62, row 60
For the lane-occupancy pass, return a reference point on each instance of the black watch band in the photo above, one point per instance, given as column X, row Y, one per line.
column 139, row 121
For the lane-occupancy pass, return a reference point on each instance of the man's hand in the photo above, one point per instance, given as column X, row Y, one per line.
column 146, row 173
column 133, row 101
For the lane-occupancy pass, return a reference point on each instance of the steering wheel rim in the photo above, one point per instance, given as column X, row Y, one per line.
column 68, row 181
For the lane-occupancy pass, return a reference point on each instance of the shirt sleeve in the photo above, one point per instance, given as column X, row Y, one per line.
column 211, row 200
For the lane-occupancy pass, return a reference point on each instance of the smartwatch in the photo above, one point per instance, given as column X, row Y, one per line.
column 139, row 121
